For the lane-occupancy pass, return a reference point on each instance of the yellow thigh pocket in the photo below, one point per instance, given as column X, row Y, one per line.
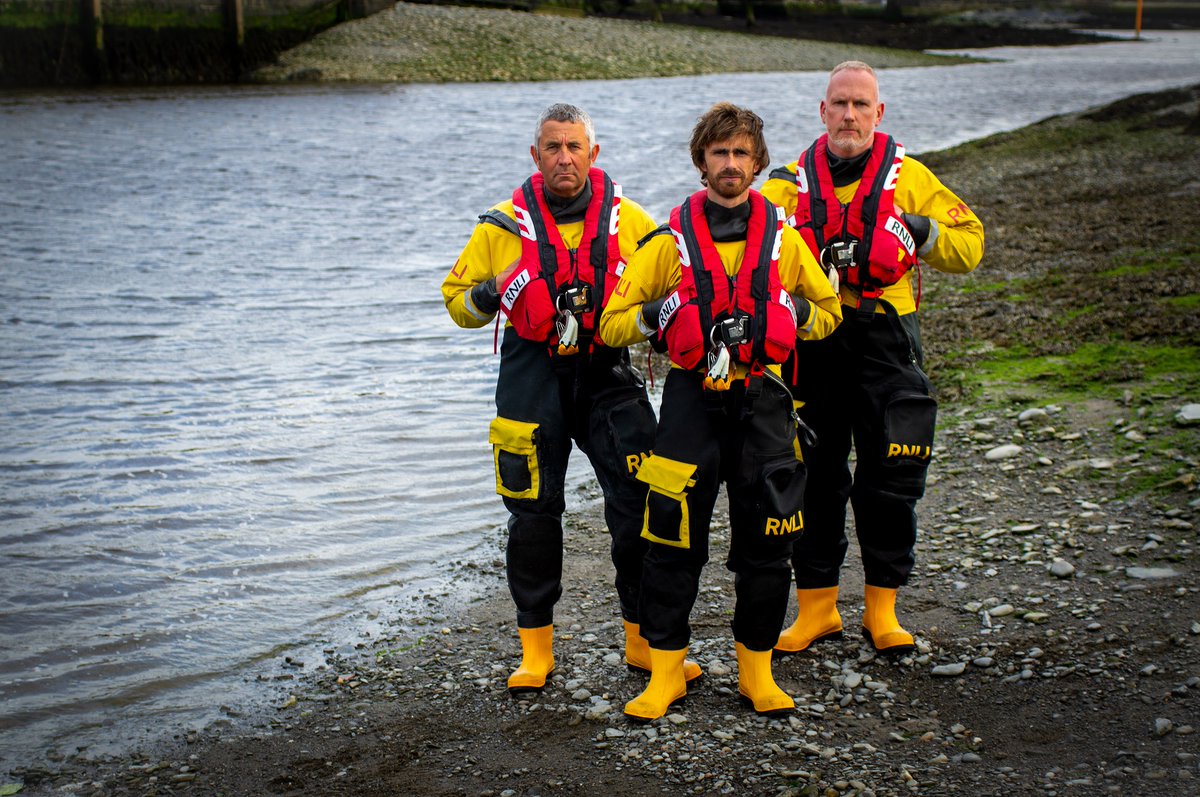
column 666, row 519
column 514, row 446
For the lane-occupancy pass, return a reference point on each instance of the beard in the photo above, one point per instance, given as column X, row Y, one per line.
column 731, row 190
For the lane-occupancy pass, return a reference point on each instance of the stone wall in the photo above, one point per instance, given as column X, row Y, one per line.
column 66, row 42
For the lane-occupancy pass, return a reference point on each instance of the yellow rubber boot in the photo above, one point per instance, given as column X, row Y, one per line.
column 537, row 660
column 817, row 619
column 637, row 653
column 665, row 687
column 880, row 626
column 756, row 684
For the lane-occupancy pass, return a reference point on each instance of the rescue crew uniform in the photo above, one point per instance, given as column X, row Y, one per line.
column 744, row 436
column 872, row 392
column 568, row 250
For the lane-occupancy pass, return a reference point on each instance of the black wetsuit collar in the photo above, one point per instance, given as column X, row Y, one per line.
column 569, row 211
column 727, row 224
column 846, row 170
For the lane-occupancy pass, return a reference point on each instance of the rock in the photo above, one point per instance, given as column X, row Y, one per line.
column 1162, row 726
column 1007, row 451
column 950, row 670
column 1188, row 415
column 1150, row 573
column 1032, row 415
column 1060, row 568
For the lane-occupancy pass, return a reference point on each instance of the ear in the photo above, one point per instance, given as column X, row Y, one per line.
column 533, row 153
column 879, row 113
column 595, row 153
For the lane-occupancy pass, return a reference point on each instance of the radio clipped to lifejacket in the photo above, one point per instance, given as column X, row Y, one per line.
column 571, row 302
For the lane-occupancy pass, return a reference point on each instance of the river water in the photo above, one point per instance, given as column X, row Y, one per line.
column 236, row 423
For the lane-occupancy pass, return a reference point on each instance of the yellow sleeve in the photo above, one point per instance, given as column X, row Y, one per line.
column 805, row 281
column 958, row 247
column 782, row 192
column 635, row 225
column 651, row 273
column 488, row 252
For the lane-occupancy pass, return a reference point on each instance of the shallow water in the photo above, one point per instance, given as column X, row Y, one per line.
column 237, row 423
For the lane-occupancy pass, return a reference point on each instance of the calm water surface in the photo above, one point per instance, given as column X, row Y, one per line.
column 236, row 423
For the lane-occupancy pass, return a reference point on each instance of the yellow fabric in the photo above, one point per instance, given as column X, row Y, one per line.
column 959, row 245
column 517, row 438
column 671, row 479
column 491, row 249
column 653, row 272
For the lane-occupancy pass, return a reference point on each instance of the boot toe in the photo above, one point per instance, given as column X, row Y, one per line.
column 891, row 643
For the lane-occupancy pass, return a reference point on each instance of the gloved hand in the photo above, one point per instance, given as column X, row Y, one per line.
column 485, row 297
column 803, row 309
column 649, row 316
column 919, row 226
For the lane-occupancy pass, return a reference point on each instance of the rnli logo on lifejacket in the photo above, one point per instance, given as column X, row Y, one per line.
column 670, row 305
column 525, row 223
column 514, row 289
column 911, row 452
column 894, row 172
column 777, row 527
column 897, row 228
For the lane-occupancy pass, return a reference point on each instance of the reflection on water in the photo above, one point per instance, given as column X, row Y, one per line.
column 236, row 419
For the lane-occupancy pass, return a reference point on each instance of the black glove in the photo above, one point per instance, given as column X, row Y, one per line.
column 485, row 297
column 650, row 312
column 918, row 226
column 803, row 310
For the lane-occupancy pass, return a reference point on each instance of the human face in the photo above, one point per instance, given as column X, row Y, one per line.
column 729, row 167
column 563, row 157
column 851, row 111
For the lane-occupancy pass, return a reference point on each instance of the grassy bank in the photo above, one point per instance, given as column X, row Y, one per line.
column 415, row 43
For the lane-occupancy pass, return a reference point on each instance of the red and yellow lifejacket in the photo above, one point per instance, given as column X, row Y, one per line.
column 884, row 248
column 706, row 294
column 530, row 295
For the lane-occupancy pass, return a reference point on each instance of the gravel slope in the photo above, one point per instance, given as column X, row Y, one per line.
column 420, row 43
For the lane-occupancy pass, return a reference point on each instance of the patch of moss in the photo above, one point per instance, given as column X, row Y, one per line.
column 1092, row 370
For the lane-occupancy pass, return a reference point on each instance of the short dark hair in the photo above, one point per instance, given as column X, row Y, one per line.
column 722, row 122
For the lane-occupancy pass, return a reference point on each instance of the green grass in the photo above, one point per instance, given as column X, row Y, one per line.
column 1092, row 370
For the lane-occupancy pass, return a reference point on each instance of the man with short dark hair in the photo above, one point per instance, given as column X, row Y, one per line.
column 728, row 293
column 869, row 213
column 549, row 256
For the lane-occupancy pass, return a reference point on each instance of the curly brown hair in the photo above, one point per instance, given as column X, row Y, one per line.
column 722, row 122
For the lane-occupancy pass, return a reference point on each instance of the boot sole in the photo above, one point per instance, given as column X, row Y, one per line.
column 517, row 692
column 644, row 720
column 832, row 635
column 894, row 650
column 775, row 712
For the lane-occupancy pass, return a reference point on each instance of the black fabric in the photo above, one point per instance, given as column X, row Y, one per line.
column 845, row 171
column 919, row 226
column 728, row 439
column 485, row 297
column 569, row 211
column 727, row 224
column 600, row 403
column 863, row 365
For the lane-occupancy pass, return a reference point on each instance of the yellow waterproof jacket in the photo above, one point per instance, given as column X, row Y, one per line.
column 492, row 249
column 957, row 249
column 653, row 272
